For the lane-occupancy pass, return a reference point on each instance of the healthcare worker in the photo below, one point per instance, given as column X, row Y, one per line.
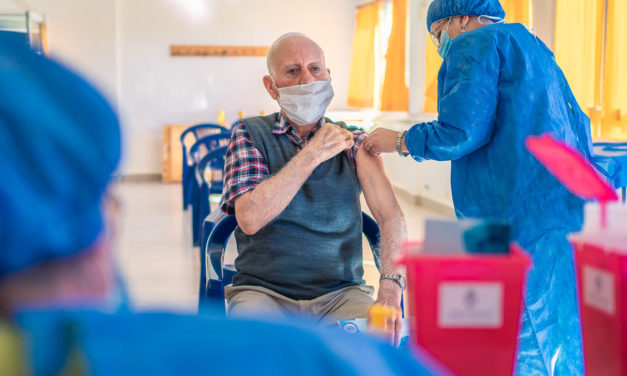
column 498, row 85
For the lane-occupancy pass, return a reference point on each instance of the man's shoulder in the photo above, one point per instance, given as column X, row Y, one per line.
column 267, row 121
column 350, row 128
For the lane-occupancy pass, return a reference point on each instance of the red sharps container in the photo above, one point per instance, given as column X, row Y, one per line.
column 465, row 309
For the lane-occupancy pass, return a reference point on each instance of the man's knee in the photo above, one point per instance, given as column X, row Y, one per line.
column 353, row 303
column 253, row 304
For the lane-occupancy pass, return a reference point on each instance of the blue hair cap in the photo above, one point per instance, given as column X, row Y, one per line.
column 59, row 145
column 440, row 9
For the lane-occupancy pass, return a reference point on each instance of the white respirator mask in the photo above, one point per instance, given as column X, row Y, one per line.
column 305, row 104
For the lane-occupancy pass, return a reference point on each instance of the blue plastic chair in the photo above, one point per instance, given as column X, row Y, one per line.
column 213, row 163
column 197, row 152
column 197, row 132
column 215, row 275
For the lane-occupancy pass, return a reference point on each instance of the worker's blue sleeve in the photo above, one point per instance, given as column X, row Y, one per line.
column 467, row 99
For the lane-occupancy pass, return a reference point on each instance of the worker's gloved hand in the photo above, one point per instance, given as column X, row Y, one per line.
column 390, row 295
column 381, row 140
column 329, row 141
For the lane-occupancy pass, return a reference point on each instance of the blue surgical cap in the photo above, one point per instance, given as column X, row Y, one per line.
column 440, row 9
column 59, row 145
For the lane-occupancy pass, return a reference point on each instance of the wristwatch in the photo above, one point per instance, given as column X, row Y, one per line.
column 399, row 139
column 398, row 278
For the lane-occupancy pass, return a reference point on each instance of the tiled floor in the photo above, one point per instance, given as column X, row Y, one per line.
column 155, row 252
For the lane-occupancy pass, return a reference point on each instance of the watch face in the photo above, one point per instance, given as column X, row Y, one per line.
column 403, row 282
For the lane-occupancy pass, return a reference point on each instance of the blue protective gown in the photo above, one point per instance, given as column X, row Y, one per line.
column 498, row 85
column 91, row 342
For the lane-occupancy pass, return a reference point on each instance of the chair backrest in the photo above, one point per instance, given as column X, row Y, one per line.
column 199, row 149
column 206, row 144
column 214, row 275
column 208, row 181
column 198, row 131
column 205, row 129
column 195, row 133
column 210, row 169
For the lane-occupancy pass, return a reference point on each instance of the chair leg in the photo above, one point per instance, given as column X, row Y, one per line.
column 202, row 288
column 184, row 190
column 195, row 215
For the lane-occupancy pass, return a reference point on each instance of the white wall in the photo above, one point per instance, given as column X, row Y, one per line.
column 156, row 88
column 81, row 33
column 123, row 47
column 544, row 21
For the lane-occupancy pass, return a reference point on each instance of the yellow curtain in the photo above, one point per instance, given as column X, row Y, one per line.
column 395, row 95
column 434, row 62
column 577, row 32
column 516, row 11
column 44, row 40
column 599, row 89
column 362, row 75
column 614, row 102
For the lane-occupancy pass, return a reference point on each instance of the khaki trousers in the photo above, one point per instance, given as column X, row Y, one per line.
column 254, row 302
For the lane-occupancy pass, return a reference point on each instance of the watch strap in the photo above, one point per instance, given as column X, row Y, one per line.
column 399, row 140
column 398, row 278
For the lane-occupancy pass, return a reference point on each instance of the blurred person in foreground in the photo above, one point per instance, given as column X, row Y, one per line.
column 59, row 145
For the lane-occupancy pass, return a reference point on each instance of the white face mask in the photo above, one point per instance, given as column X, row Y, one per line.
column 305, row 104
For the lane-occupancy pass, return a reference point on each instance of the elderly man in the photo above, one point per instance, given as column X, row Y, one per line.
column 293, row 180
column 59, row 144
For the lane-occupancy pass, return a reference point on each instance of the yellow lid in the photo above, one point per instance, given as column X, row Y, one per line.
column 380, row 316
column 221, row 117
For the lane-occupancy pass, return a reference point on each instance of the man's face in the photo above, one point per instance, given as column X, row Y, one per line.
column 296, row 61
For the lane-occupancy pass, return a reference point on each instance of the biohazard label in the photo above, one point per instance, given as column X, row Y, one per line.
column 598, row 289
column 470, row 305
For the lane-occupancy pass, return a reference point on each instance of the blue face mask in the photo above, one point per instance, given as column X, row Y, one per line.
column 445, row 42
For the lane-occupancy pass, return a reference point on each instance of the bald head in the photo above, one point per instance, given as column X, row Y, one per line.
column 294, row 59
column 291, row 46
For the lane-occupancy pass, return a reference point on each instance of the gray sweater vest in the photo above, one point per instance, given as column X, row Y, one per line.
column 314, row 246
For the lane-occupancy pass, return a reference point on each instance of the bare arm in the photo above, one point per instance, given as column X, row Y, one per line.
column 256, row 208
column 384, row 207
column 387, row 212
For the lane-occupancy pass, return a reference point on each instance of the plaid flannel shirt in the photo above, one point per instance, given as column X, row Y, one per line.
column 245, row 166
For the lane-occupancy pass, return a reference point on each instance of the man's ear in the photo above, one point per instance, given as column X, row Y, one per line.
column 269, row 84
column 328, row 73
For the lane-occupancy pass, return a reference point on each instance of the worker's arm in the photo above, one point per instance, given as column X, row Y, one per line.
column 467, row 114
column 387, row 212
column 256, row 208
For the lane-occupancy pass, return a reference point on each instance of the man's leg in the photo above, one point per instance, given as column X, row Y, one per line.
column 351, row 302
column 256, row 302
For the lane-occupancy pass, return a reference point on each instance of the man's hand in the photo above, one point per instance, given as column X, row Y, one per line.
column 329, row 141
column 382, row 140
column 256, row 208
column 390, row 295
